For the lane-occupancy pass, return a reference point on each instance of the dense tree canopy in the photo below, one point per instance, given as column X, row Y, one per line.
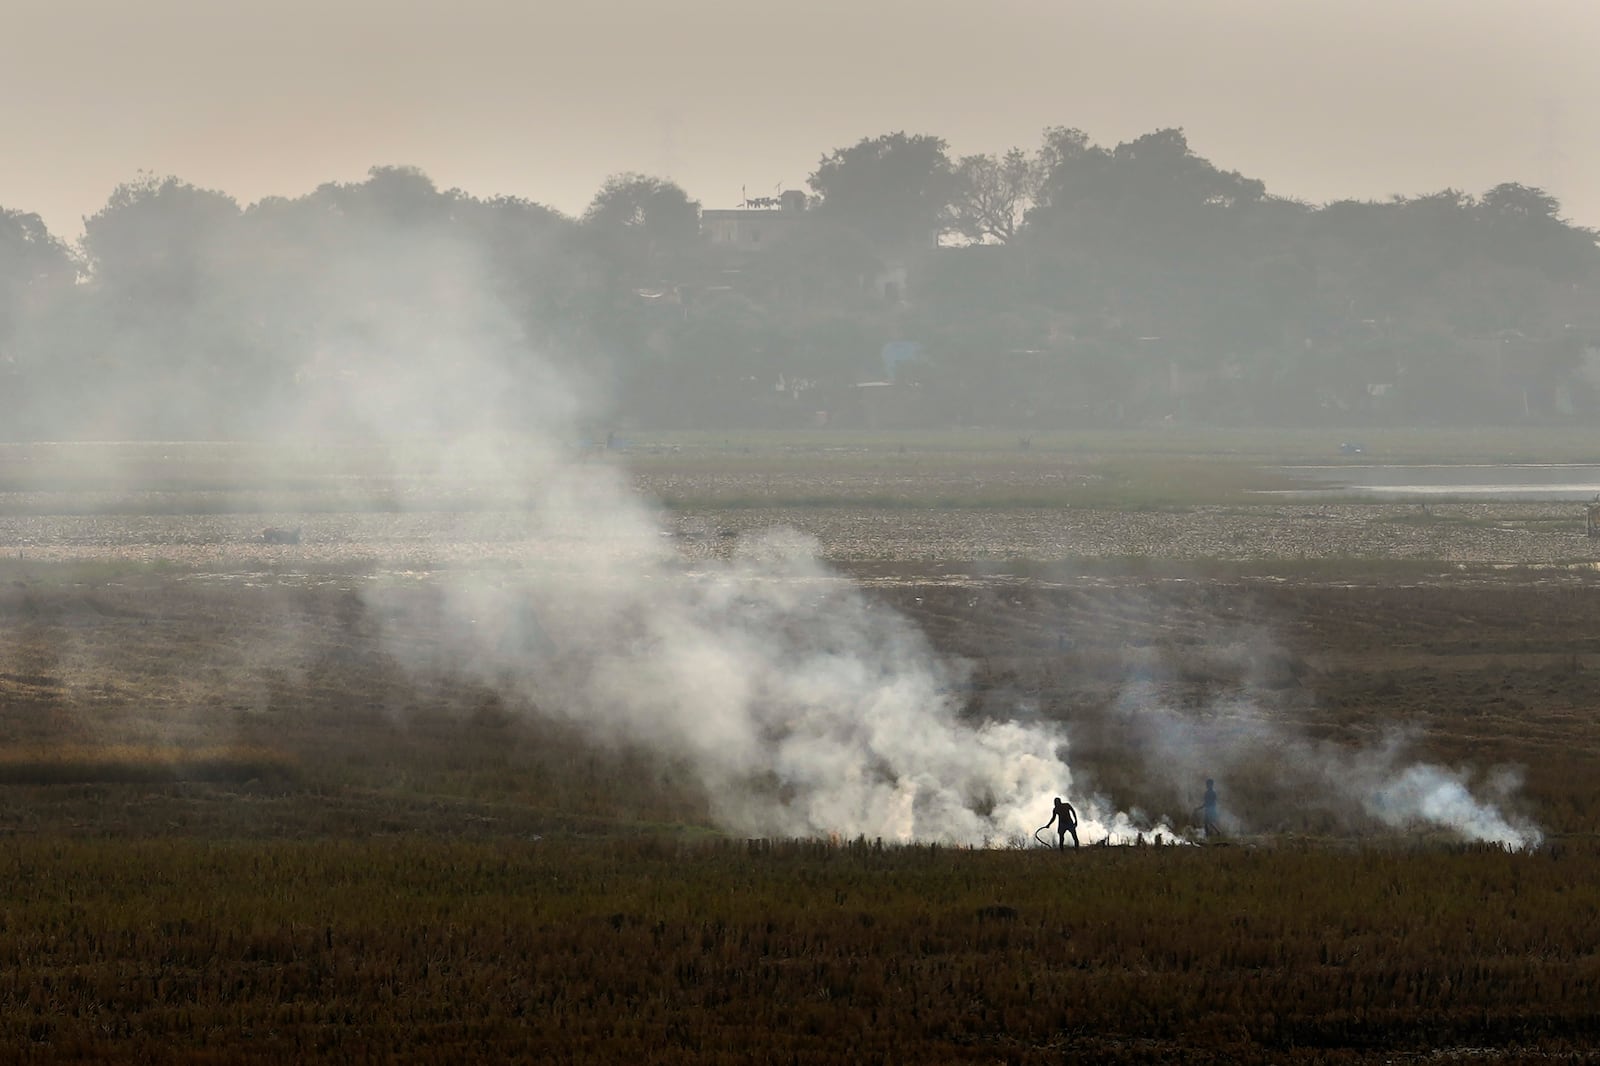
column 993, row 194
column 1068, row 284
column 896, row 189
column 646, row 222
column 34, row 268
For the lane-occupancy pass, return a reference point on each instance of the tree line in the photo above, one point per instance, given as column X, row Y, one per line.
column 1069, row 284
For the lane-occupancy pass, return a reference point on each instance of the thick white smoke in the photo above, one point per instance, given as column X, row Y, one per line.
column 1242, row 737
column 804, row 707
column 1421, row 795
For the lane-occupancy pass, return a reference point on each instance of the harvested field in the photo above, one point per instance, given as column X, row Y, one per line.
column 257, row 804
column 1470, row 533
column 341, row 672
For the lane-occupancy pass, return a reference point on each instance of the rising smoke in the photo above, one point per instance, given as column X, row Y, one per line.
column 803, row 707
column 1296, row 778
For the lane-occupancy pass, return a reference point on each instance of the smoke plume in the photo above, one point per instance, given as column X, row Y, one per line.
column 804, row 707
column 1297, row 778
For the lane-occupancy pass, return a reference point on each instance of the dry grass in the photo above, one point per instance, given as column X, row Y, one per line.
column 235, row 827
column 148, row 680
column 414, row 949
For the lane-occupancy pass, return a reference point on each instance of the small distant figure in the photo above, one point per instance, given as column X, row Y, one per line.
column 1591, row 519
column 1209, row 809
column 275, row 535
column 1065, row 819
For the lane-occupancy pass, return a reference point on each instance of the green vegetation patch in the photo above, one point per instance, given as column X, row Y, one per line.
column 79, row 764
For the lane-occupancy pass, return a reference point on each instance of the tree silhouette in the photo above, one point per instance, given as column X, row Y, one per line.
column 896, row 189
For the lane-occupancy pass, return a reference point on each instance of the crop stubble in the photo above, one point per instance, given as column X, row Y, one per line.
column 560, row 904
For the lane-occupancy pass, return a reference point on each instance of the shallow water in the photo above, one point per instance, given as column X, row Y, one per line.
column 1501, row 481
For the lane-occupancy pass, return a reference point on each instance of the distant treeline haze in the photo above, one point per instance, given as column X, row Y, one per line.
column 1068, row 286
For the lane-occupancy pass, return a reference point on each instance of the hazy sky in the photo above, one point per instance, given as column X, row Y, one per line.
column 1322, row 99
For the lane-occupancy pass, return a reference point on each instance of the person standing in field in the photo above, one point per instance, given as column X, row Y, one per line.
column 1065, row 819
column 1209, row 808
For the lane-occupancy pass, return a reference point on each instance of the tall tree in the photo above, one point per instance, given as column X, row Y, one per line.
column 993, row 194
column 37, row 272
column 391, row 195
column 158, row 238
column 167, row 269
column 1160, row 167
column 33, row 264
column 648, row 222
column 1069, row 166
column 1525, row 228
column 896, row 189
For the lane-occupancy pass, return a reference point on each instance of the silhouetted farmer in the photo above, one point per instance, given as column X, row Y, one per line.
column 1209, row 807
column 1065, row 819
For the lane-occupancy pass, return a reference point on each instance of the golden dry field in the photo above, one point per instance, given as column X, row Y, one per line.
column 257, row 804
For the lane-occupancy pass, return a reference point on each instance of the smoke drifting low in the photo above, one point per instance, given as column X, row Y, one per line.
column 805, row 710
column 1343, row 788
column 804, row 707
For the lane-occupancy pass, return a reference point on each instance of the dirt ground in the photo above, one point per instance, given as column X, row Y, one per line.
column 1490, row 671
column 1466, row 533
column 1470, row 635
column 387, row 843
column 1480, row 533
